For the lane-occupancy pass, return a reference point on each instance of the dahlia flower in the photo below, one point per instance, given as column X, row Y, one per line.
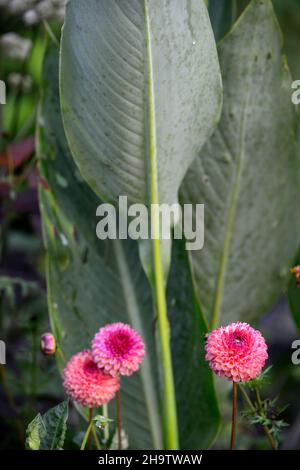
column 236, row 352
column 118, row 349
column 85, row 383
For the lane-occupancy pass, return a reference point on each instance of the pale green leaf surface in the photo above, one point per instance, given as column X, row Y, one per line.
column 34, row 433
column 247, row 176
column 106, row 69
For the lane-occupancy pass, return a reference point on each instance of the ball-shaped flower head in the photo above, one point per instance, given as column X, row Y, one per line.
column 118, row 349
column 236, row 352
column 85, row 383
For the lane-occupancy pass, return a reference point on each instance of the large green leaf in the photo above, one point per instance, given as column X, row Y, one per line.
column 140, row 94
column 138, row 77
column 93, row 282
column 247, row 176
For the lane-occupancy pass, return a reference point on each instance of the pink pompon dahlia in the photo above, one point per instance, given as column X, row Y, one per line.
column 85, row 383
column 118, row 349
column 236, row 352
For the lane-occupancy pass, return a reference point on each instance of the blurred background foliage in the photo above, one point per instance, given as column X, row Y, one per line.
column 30, row 382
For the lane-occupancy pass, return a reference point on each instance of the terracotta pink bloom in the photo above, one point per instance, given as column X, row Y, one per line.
column 236, row 352
column 85, row 383
column 118, row 349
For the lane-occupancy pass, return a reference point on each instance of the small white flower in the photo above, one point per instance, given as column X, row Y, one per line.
column 15, row 46
column 45, row 9
column 19, row 6
column 30, row 17
column 16, row 80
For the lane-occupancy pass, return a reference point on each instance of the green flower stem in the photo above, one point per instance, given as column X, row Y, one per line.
column 97, row 442
column 106, row 428
column 252, row 408
column 86, row 435
column 168, row 399
column 119, row 420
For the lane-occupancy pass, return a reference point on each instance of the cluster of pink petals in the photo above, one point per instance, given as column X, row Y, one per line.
column 85, row 383
column 237, row 352
column 118, row 349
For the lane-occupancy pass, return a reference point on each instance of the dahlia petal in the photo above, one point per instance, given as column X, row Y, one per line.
column 85, row 383
column 237, row 352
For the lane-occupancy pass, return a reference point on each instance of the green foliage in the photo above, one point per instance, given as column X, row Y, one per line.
column 247, row 177
column 92, row 282
column 262, row 379
column 48, row 432
column 8, row 284
column 102, row 421
column 267, row 414
column 35, row 432
column 128, row 137
column 222, row 15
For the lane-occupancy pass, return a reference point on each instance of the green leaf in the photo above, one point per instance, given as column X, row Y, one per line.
column 55, row 425
column 34, row 433
column 198, row 412
column 113, row 57
column 222, row 15
column 140, row 94
column 92, row 282
column 102, row 281
column 48, row 432
column 247, row 177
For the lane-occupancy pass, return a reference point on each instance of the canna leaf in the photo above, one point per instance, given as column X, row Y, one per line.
column 92, row 282
column 114, row 56
column 247, row 177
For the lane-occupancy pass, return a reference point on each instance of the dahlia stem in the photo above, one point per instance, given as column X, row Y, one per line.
column 119, row 420
column 91, row 412
column 234, row 409
column 97, row 442
column 87, row 434
column 265, row 428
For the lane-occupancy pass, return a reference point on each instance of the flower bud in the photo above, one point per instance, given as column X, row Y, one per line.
column 48, row 344
column 296, row 271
